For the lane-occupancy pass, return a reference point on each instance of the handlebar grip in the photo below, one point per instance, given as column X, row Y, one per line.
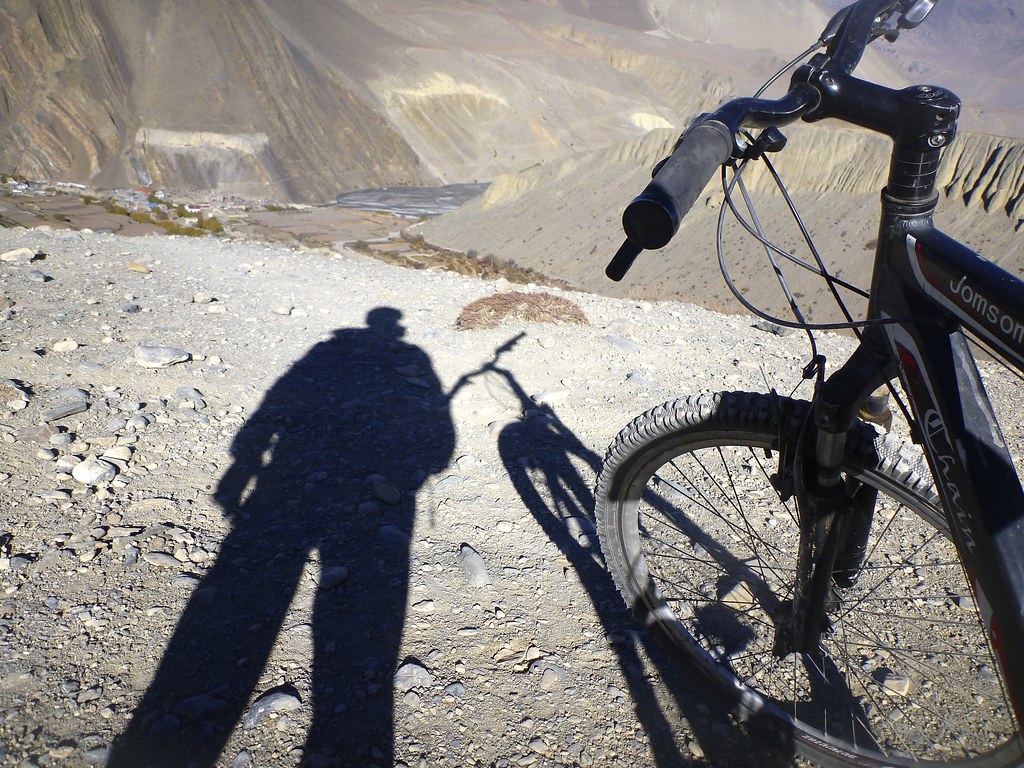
column 622, row 261
column 653, row 218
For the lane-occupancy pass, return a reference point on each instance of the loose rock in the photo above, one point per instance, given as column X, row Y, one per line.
column 94, row 471
column 63, row 410
column 386, row 493
column 333, row 577
column 159, row 357
column 18, row 256
column 412, row 675
column 190, row 396
column 268, row 704
column 473, row 566
column 161, row 560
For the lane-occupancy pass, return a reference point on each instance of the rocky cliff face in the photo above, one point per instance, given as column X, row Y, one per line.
column 53, row 119
column 987, row 172
column 96, row 91
column 980, row 173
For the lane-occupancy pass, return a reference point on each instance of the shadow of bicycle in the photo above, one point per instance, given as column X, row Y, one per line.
column 552, row 472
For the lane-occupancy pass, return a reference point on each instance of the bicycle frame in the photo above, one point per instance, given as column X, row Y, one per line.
column 927, row 291
column 945, row 288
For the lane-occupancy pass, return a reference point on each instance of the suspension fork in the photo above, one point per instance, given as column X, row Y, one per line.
column 835, row 511
column 835, row 515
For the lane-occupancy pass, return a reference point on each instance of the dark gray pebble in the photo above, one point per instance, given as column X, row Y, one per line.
column 392, row 534
column 165, row 726
column 62, row 410
column 275, row 701
column 198, row 706
column 456, row 689
column 333, row 576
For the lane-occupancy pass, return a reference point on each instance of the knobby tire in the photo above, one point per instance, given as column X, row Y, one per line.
column 703, row 550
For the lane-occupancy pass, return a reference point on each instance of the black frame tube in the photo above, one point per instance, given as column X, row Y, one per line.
column 928, row 280
column 922, row 273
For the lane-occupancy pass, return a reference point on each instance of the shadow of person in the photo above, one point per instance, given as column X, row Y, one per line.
column 545, row 461
column 327, row 468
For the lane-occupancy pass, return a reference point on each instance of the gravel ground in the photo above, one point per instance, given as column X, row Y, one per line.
column 267, row 506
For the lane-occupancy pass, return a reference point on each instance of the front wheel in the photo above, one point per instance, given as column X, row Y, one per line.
column 703, row 550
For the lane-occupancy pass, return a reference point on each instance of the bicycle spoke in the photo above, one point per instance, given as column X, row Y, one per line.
column 903, row 672
column 895, row 567
column 707, row 505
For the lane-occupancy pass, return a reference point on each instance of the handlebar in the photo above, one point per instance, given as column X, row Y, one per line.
column 653, row 218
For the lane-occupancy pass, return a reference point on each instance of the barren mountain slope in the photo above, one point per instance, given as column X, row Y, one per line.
column 185, row 95
column 305, row 100
column 301, row 101
column 563, row 219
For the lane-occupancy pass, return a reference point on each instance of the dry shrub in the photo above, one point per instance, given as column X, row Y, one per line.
column 491, row 311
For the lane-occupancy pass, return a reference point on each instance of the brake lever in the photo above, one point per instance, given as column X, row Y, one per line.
column 910, row 15
column 916, row 14
column 889, row 29
column 832, row 28
column 769, row 140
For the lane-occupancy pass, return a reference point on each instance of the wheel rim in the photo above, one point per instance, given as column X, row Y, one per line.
column 906, row 674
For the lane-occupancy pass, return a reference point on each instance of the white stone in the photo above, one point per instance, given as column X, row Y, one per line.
column 553, row 397
column 19, row 255
column 94, row 471
column 119, row 452
column 159, row 357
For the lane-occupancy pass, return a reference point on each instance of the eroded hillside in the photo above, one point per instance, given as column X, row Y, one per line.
column 112, row 94
column 563, row 218
column 301, row 101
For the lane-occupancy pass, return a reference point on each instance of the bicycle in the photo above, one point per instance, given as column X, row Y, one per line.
column 855, row 602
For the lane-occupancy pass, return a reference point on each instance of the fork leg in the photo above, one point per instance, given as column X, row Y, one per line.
column 835, row 511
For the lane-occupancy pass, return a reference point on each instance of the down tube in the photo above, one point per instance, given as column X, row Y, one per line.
column 976, row 480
